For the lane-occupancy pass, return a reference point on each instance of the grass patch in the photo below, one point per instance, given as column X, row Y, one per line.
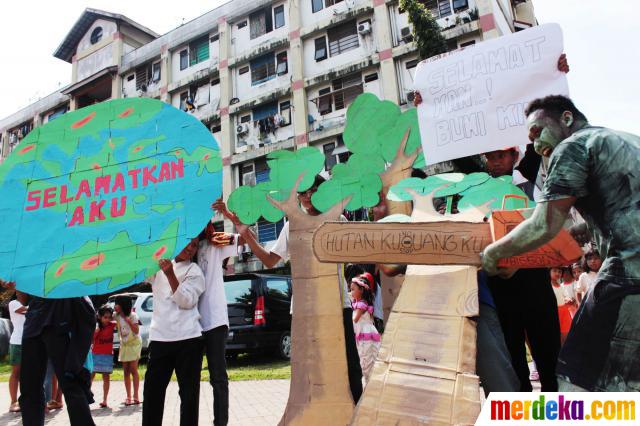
column 244, row 367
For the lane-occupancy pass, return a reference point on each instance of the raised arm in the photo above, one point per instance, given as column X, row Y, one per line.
column 269, row 259
column 541, row 227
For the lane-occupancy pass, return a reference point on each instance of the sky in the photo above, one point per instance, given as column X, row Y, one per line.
column 600, row 38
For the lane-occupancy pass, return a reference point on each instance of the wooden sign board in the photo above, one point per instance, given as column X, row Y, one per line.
column 433, row 243
column 561, row 251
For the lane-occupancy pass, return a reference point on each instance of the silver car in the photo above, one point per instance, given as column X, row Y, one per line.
column 142, row 305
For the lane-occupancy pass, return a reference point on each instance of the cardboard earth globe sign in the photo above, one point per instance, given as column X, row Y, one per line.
column 91, row 201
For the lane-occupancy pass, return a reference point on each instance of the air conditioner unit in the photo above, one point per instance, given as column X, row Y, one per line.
column 405, row 34
column 242, row 129
column 364, row 28
column 249, row 179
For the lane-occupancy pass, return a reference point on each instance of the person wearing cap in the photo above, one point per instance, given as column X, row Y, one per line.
column 175, row 337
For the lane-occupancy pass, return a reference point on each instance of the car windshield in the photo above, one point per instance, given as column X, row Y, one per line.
column 238, row 291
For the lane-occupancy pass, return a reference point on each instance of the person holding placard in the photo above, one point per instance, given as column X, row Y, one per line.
column 176, row 338
column 594, row 169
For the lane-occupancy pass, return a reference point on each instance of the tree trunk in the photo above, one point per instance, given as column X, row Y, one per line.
column 319, row 393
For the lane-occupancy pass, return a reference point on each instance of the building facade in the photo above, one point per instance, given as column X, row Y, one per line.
column 262, row 75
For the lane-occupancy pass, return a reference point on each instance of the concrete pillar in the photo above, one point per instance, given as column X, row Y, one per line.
column 116, row 82
column 4, row 145
column 227, row 140
column 487, row 19
column 384, row 43
column 165, row 73
column 296, row 62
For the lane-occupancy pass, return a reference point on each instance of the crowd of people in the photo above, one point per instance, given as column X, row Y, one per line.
column 580, row 322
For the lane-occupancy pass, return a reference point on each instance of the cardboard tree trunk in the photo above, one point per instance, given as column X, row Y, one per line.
column 425, row 370
column 400, row 169
column 319, row 392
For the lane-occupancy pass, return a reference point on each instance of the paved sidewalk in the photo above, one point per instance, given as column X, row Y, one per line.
column 259, row 402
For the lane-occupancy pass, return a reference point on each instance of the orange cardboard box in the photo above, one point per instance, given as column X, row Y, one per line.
column 561, row 251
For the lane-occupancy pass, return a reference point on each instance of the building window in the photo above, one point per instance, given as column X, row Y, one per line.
column 243, row 70
column 316, row 5
column 155, row 72
column 285, row 112
column 346, row 90
column 242, row 24
column 199, row 51
column 184, row 59
column 215, row 81
column 214, row 38
column 460, row 5
column 343, row 38
column 329, row 159
column 444, row 8
column 216, row 127
column 96, row 35
column 268, row 231
column 321, row 49
column 324, row 101
column 467, row 44
column 247, row 175
column 278, row 16
column 183, row 100
column 328, row 3
column 130, row 77
column 260, row 23
column 281, row 63
column 263, row 68
column 371, row 77
column 412, row 63
column 245, row 118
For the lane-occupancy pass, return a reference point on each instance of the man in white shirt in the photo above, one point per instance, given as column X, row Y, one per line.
column 214, row 318
column 176, row 338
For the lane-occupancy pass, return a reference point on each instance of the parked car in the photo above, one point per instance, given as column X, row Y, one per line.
column 142, row 305
column 259, row 313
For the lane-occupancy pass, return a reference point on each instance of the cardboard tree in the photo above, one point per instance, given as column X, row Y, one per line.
column 380, row 128
column 319, row 392
column 425, row 370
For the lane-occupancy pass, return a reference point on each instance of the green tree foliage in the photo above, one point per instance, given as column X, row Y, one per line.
column 476, row 189
column 426, row 31
column 285, row 167
column 358, row 179
column 376, row 127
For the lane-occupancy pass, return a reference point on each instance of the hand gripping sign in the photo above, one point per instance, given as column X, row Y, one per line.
column 474, row 99
column 91, row 201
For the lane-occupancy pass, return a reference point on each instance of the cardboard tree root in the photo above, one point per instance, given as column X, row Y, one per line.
column 425, row 370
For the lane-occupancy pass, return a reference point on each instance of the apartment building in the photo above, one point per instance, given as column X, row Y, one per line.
column 262, row 75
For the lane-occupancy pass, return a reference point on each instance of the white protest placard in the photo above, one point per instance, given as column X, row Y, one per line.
column 474, row 99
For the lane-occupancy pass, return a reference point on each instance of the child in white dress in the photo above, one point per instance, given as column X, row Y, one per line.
column 367, row 336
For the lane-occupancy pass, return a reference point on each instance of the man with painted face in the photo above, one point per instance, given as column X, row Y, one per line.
column 594, row 169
